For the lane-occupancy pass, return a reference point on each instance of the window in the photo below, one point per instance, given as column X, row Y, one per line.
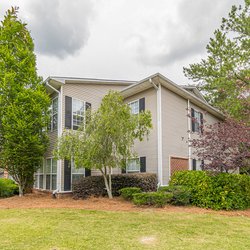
column 197, row 164
column 39, row 177
column 78, row 110
column 53, row 114
column 134, row 106
column 76, row 173
column 197, row 121
column 51, row 173
column 133, row 166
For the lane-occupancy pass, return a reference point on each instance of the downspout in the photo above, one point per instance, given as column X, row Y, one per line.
column 189, row 135
column 159, row 131
column 59, row 133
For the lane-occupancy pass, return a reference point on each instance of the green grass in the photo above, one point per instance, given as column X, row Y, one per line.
column 81, row 229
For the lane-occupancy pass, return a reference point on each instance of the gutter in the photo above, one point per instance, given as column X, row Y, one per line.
column 59, row 133
column 189, row 135
column 159, row 131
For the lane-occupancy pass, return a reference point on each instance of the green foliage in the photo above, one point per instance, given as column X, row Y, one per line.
column 95, row 186
column 23, row 103
column 216, row 191
column 107, row 139
column 224, row 75
column 157, row 199
column 127, row 193
column 8, row 188
column 181, row 194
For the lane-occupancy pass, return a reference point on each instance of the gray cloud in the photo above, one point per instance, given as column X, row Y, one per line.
column 59, row 28
column 184, row 36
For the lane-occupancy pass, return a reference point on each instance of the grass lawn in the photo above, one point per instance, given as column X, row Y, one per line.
column 81, row 229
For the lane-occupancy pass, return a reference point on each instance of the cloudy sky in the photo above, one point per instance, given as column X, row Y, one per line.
column 119, row 39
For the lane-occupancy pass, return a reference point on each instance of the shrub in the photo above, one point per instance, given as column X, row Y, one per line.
column 127, row 193
column 181, row 194
column 216, row 191
column 157, row 199
column 8, row 188
column 94, row 185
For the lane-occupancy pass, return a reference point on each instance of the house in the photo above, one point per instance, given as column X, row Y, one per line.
column 166, row 150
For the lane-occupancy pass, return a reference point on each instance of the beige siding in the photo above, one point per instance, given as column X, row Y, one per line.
column 174, row 130
column 92, row 93
column 148, row 147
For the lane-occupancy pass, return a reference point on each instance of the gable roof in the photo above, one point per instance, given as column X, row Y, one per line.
column 194, row 96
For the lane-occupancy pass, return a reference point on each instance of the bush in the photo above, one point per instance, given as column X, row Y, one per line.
column 216, row 191
column 94, row 185
column 181, row 194
column 127, row 193
column 157, row 199
column 8, row 188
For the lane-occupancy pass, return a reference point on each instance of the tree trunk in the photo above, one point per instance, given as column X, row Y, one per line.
column 20, row 190
column 109, row 191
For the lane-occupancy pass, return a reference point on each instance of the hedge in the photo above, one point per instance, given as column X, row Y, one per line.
column 7, row 188
column 156, row 199
column 181, row 194
column 215, row 190
column 128, row 192
column 94, row 185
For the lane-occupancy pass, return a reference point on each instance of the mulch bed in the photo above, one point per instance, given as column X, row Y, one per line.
column 40, row 200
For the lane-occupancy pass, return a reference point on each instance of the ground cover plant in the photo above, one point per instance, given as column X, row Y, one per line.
column 81, row 229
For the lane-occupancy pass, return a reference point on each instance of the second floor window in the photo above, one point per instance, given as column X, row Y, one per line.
column 78, row 110
column 53, row 114
column 134, row 106
column 197, row 121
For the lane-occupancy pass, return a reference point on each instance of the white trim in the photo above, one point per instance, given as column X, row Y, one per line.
column 189, row 135
column 159, row 134
column 60, row 131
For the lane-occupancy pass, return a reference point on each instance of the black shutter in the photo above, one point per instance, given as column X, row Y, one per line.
column 87, row 172
column 192, row 120
column 87, row 107
column 68, row 112
column 201, row 122
column 67, row 175
column 143, row 164
column 142, row 104
column 194, row 164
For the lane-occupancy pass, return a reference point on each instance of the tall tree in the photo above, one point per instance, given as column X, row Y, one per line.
column 224, row 76
column 106, row 139
column 23, row 103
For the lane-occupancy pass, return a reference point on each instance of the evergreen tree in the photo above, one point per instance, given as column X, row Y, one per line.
column 224, row 76
column 23, row 103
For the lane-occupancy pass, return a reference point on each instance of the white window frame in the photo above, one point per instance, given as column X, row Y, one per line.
column 133, row 171
column 197, row 121
column 132, row 102
column 50, row 173
column 84, row 113
column 38, row 173
column 52, row 114
column 75, row 171
column 198, row 165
